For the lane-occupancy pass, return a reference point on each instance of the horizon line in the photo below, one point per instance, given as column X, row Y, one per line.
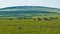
column 32, row 6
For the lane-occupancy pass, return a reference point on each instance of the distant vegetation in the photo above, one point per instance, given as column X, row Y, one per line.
column 35, row 19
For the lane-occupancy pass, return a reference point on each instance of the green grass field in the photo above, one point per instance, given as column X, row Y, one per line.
column 29, row 27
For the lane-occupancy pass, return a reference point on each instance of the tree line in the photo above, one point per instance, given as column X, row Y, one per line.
column 45, row 18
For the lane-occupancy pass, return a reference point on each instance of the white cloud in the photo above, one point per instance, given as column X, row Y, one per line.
column 49, row 3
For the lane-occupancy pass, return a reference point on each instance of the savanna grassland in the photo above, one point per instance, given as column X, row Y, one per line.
column 30, row 26
column 45, row 20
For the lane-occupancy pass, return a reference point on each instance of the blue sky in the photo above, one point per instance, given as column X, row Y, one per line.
column 47, row 3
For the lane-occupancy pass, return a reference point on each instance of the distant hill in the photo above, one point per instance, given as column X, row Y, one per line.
column 31, row 11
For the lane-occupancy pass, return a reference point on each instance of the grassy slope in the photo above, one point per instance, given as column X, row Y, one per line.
column 29, row 27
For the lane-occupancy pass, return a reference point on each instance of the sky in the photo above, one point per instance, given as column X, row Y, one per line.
column 47, row 3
